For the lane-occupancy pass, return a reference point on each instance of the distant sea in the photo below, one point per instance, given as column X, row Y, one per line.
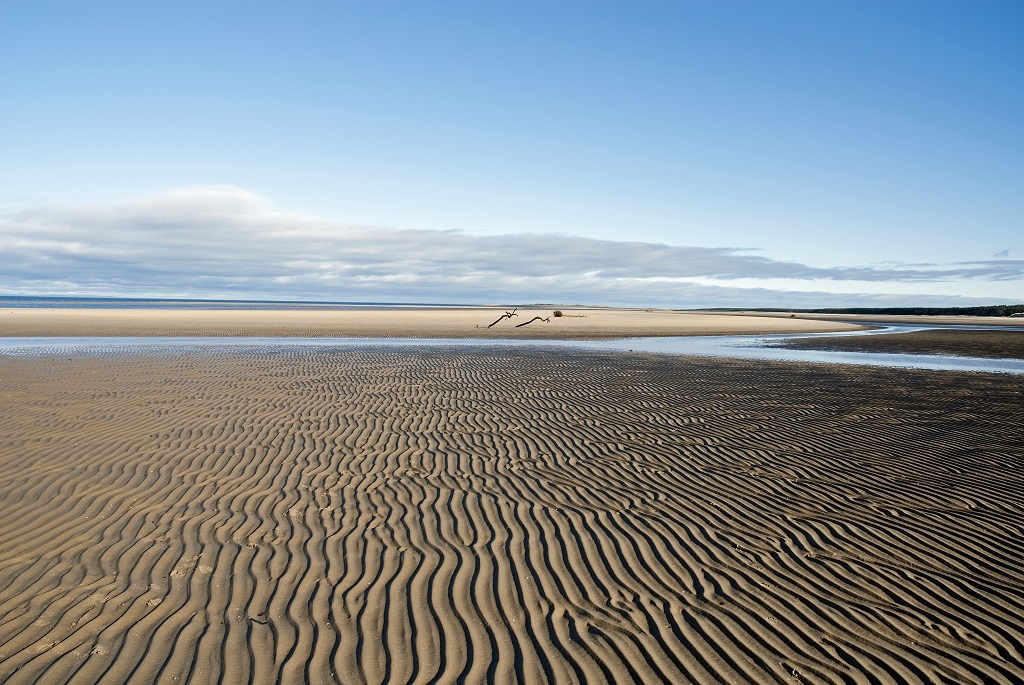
column 24, row 301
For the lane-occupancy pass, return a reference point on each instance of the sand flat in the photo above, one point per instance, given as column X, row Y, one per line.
column 394, row 515
column 441, row 322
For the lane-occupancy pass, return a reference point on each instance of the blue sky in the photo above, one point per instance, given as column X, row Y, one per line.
column 644, row 153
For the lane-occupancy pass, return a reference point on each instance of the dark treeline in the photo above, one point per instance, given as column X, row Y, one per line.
column 991, row 310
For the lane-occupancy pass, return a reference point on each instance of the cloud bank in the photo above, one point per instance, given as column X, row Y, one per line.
column 228, row 242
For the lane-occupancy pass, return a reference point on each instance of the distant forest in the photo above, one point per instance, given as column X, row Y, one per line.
column 993, row 310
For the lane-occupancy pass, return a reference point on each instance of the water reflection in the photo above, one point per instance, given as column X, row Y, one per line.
column 763, row 347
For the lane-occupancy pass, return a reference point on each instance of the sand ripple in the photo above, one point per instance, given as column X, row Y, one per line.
column 414, row 516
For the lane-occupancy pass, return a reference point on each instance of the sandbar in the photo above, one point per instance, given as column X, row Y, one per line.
column 1004, row 344
column 441, row 322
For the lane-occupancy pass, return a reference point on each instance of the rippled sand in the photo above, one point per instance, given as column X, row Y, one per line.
column 432, row 514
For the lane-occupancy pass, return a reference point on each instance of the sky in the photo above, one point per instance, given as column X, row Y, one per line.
column 683, row 154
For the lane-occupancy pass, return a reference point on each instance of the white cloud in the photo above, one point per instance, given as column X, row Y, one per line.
column 227, row 242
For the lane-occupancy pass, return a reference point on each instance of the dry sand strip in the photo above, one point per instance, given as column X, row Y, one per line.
column 441, row 322
column 437, row 514
column 1005, row 344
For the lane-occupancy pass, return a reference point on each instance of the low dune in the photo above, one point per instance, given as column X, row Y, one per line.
column 441, row 322
column 471, row 515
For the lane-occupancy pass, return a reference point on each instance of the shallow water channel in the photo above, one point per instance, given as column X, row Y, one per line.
column 769, row 347
column 765, row 347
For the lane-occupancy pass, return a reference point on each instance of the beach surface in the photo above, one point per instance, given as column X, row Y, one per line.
column 440, row 322
column 415, row 515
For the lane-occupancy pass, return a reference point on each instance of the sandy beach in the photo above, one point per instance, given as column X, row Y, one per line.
column 440, row 322
column 470, row 515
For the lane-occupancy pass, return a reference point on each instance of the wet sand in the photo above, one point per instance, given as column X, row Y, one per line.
column 988, row 344
column 441, row 322
column 411, row 515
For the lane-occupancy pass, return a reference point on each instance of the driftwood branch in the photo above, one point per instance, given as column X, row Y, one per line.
column 536, row 318
column 506, row 315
